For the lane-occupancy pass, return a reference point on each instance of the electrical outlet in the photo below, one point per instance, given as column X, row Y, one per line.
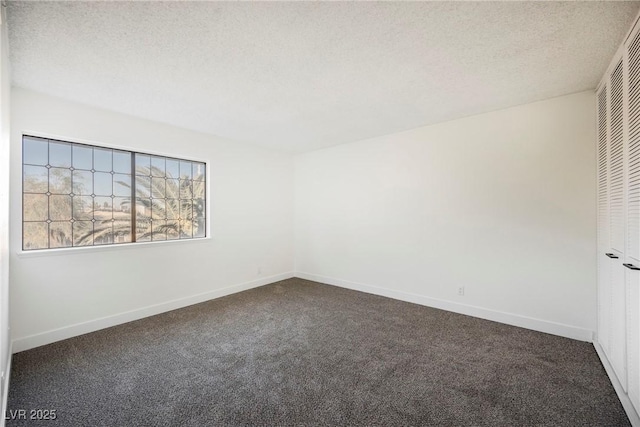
column 461, row 291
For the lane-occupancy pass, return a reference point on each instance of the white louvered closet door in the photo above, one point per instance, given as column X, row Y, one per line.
column 632, row 260
column 618, row 169
column 604, row 270
column 617, row 224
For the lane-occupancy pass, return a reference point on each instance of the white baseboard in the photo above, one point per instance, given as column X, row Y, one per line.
column 634, row 417
column 5, row 386
column 470, row 310
column 48, row 337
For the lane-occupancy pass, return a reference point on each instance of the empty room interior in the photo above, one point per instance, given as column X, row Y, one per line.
column 320, row 213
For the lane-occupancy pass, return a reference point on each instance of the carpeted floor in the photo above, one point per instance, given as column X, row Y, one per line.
column 305, row 354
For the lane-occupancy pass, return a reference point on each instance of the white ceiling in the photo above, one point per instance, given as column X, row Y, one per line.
column 305, row 75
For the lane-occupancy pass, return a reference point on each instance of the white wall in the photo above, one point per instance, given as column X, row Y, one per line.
column 56, row 295
column 501, row 203
column 5, row 90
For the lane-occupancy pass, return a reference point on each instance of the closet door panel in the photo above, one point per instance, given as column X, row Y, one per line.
column 618, row 354
column 604, row 279
column 633, row 222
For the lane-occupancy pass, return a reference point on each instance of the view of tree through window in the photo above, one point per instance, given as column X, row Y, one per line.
column 83, row 195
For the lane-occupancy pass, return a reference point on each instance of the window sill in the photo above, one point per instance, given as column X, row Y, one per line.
column 104, row 248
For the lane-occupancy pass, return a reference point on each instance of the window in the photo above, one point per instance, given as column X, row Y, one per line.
column 83, row 195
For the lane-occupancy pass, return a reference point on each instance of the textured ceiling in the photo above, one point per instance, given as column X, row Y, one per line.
column 305, row 75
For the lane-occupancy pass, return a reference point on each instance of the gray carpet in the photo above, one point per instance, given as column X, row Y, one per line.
column 300, row 353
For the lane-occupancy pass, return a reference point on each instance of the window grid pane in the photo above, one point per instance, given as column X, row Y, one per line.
column 80, row 195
